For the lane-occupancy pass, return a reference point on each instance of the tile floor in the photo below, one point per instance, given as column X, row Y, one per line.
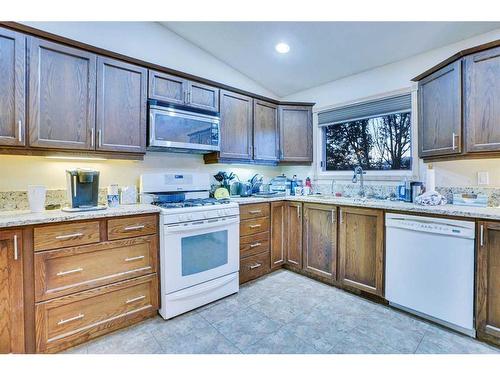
column 287, row 313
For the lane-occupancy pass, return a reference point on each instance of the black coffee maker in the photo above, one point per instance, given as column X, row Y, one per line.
column 83, row 190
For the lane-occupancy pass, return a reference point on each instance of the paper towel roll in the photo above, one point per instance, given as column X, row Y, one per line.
column 430, row 180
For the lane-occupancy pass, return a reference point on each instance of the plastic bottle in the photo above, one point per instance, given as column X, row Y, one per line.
column 293, row 184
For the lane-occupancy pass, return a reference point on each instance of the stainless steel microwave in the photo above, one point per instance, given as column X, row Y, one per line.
column 173, row 129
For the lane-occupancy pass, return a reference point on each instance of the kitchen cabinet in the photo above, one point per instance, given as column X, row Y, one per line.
column 320, row 240
column 488, row 282
column 176, row 90
column 265, row 131
column 236, row 115
column 440, row 111
column 11, row 292
column 12, row 88
column 121, row 106
column 278, row 233
column 62, row 96
column 481, row 98
column 361, row 249
column 293, row 253
column 296, row 143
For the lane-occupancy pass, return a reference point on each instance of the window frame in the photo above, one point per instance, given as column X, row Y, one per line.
column 381, row 175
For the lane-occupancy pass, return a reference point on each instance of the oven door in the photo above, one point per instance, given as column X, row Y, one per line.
column 178, row 129
column 199, row 251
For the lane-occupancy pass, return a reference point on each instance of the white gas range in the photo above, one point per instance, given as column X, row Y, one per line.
column 199, row 241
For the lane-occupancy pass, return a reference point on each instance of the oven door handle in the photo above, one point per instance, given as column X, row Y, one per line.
column 201, row 224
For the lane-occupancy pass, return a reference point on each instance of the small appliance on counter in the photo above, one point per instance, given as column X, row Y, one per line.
column 409, row 190
column 279, row 184
column 83, row 190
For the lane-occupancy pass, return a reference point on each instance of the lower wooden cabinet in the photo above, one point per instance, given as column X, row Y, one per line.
column 320, row 240
column 488, row 282
column 11, row 292
column 254, row 266
column 278, row 233
column 361, row 249
column 293, row 254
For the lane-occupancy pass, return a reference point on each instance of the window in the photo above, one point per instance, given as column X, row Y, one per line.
column 375, row 135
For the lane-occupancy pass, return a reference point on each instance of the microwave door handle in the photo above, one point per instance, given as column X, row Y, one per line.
column 177, row 228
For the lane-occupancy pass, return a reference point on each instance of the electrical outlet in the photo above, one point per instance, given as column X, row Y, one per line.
column 483, row 178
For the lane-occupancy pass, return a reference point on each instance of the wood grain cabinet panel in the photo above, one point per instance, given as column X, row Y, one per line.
column 296, row 143
column 62, row 96
column 440, row 112
column 11, row 292
column 254, row 244
column 65, row 271
column 121, row 106
column 133, row 226
column 12, row 88
column 236, row 114
column 46, row 237
column 252, row 211
column 488, row 282
column 278, row 233
column 294, row 234
column 320, row 240
column 482, row 101
column 203, row 97
column 253, row 226
column 361, row 249
column 265, row 131
column 166, row 87
column 254, row 266
column 69, row 320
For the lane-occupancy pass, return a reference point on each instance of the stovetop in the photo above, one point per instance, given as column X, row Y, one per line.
column 200, row 202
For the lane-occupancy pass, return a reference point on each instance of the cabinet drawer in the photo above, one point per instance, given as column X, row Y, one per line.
column 132, row 227
column 254, row 244
column 254, row 266
column 72, row 319
column 253, row 226
column 66, row 234
column 65, row 271
column 251, row 211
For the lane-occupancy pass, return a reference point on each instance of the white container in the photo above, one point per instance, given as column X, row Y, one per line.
column 36, row 197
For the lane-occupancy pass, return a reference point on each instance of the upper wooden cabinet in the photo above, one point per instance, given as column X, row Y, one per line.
column 320, row 240
column 265, row 131
column 482, row 101
column 176, row 90
column 62, row 96
column 121, row 106
column 361, row 249
column 488, row 282
column 296, row 144
column 12, row 88
column 11, row 292
column 440, row 111
column 236, row 115
column 293, row 256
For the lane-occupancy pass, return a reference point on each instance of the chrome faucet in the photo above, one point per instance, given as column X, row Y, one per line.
column 359, row 171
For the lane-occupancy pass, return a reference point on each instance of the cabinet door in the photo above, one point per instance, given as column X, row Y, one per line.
column 265, row 131
column 236, row 114
column 294, row 234
column 278, row 233
column 320, row 240
column 203, row 97
column 488, row 281
column 62, row 89
column 12, row 88
column 296, row 133
column 440, row 112
column 482, row 101
column 361, row 247
column 11, row 292
column 121, row 106
column 167, row 88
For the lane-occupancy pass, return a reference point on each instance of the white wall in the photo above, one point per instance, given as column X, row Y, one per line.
column 397, row 76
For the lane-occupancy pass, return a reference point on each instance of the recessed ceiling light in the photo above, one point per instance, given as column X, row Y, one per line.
column 282, row 47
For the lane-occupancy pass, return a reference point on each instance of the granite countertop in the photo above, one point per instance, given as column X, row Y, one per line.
column 19, row 218
column 491, row 213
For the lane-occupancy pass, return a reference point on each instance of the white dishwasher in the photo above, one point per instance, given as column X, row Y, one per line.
column 429, row 268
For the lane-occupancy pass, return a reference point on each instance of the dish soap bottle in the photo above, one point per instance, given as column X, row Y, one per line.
column 308, row 187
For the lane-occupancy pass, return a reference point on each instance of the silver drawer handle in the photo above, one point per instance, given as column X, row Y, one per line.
column 135, row 227
column 62, row 273
column 255, row 226
column 257, row 265
column 20, row 130
column 16, row 249
column 135, row 299
column 63, row 237
column 64, row 321
column 255, row 212
column 255, row 244
column 134, row 258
